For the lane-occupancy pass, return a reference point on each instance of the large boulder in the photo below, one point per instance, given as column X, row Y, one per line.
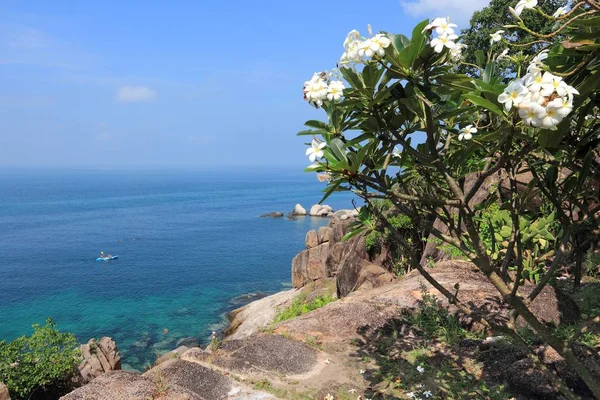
column 4, row 395
column 98, row 358
column 252, row 317
column 355, row 269
column 310, row 265
column 312, row 239
column 121, row 385
column 299, row 210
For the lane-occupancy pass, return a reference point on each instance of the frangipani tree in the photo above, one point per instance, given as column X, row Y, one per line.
column 404, row 126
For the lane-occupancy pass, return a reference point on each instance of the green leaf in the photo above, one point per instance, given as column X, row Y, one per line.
column 480, row 101
column 318, row 125
column 338, row 148
column 479, row 58
column 332, row 187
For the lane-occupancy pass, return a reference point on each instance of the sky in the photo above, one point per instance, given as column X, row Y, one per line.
column 179, row 83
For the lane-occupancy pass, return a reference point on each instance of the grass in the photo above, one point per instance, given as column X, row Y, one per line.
column 429, row 360
column 300, row 307
column 266, row 386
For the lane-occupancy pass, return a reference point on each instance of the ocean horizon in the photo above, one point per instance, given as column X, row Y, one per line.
column 190, row 242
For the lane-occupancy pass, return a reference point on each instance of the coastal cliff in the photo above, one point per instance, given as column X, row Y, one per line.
column 351, row 329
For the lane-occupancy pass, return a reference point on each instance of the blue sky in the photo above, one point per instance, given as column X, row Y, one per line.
column 180, row 83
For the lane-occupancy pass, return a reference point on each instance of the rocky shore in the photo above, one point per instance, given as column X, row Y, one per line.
column 344, row 349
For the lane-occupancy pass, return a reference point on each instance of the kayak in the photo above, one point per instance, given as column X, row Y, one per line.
column 107, row 258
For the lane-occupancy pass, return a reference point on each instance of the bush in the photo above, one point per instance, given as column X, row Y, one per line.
column 43, row 361
column 300, row 307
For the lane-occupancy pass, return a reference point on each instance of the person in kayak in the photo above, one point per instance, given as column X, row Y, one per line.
column 101, row 254
column 109, row 256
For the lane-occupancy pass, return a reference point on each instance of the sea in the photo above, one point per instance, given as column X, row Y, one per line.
column 191, row 247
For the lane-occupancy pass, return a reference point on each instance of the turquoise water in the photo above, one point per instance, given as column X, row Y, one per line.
column 190, row 246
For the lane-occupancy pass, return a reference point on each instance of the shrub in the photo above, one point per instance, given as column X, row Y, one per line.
column 44, row 360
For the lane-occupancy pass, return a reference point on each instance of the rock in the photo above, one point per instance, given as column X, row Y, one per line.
column 177, row 353
column 315, row 209
column 121, row 385
column 312, row 239
column 189, row 342
column 261, row 352
column 299, row 210
column 4, row 395
column 326, row 207
column 345, row 217
column 274, row 214
column 98, row 358
column 324, row 234
column 356, row 271
column 309, row 265
column 249, row 319
column 195, row 354
column 323, row 212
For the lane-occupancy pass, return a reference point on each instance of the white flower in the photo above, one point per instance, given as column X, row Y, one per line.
column 456, row 52
column 442, row 41
column 552, row 117
column 362, row 371
column 315, row 150
column 352, row 37
column 472, row 130
column 560, row 11
column 466, row 133
column 514, row 94
column 534, row 81
column 496, row 36
column 428, row 394
column 522, row 4
column 352, row 391
column 378, row 43
column 552, row 83
column 335, row 90
column 315, row 90
column 532, row 113
column 443, row 26
column 411, row 395
column 364, row 49
column 534, row 66
column 563, row 105
column 329, row 397
column 327, row 361
column 504, row 54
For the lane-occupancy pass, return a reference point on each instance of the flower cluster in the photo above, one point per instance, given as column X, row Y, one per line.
column 543, row 99
column 446, row 37
column 322, row 87
column 358, row 50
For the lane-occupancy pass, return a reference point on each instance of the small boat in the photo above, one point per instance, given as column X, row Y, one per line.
column 107, row 258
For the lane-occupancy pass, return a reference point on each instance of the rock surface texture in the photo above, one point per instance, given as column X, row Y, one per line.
column 98, row 358
column 4, row 395
column 327, row 256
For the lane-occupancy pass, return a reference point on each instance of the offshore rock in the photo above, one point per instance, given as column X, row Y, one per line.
column 299, row 210
column 274, row 214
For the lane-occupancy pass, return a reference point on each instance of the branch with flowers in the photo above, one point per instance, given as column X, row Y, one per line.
column 403, row 125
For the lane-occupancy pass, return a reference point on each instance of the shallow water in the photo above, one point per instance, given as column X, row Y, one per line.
column 189, row 243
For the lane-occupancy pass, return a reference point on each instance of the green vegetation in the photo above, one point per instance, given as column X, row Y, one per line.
column 299, row 307
column 499, row 149
column 43, row 361
column 435, row 321
column 428, row 362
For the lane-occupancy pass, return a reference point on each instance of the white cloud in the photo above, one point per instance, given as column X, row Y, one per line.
column 131, row 94
column 459, row 12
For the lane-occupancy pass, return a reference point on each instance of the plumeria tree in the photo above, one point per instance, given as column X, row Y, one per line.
column 404, row 126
